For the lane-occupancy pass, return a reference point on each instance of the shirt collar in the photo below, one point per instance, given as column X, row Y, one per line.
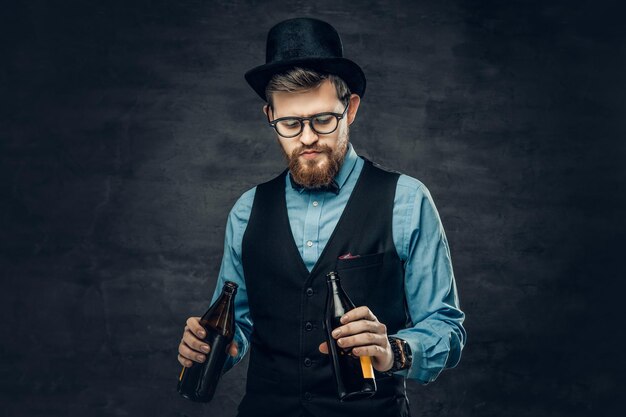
column 342, row 176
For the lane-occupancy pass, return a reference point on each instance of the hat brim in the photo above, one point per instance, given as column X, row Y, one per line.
column 348, row 70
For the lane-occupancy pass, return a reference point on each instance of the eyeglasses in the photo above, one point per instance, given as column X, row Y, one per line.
column 322, row 123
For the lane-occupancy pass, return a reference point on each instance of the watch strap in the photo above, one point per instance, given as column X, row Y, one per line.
column 402, row 358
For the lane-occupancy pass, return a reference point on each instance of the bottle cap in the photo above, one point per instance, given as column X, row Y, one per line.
column 331, row 276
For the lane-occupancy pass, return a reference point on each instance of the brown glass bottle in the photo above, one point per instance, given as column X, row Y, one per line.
column 354, row 374
column 199, row 381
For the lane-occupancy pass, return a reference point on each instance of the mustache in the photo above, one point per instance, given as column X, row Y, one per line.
column 318, row 148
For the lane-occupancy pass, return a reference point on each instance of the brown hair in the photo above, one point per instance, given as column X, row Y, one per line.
column 302, row 79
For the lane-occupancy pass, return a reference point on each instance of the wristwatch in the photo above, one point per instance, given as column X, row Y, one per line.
column 402, row 355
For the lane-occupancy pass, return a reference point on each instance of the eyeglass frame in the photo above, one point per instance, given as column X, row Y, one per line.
column 338, row 116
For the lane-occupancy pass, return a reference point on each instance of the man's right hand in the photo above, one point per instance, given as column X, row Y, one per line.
column 193, row 347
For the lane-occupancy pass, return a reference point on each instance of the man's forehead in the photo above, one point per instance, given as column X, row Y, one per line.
column 306, row 103
column 305, row 108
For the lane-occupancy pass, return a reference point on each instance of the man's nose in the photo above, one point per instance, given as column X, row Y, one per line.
column 308, row 135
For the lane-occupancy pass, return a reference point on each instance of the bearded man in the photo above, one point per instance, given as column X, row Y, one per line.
column 330, row 210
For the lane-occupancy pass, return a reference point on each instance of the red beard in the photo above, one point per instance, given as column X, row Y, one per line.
column 308, row 174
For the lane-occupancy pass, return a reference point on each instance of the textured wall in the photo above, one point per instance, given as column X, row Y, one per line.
column 127, row 133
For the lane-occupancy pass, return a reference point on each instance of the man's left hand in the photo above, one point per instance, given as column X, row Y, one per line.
column 360, row 328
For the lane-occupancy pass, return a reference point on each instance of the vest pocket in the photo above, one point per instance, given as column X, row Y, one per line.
column 362, row 261
column 362, row 279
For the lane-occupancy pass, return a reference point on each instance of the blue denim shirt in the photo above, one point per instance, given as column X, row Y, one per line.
column 437, row 335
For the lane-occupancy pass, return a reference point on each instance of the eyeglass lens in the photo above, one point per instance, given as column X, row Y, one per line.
column 321, row 124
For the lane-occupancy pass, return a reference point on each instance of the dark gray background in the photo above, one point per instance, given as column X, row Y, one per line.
column 128, row 131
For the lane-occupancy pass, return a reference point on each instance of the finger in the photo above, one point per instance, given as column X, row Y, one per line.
column 323, row 348
column 359, row 326
column 190, row 354
column 363, row 339
column 184, row 361
column 371, row 350
column 194, row 325
column 233, row 350
column 359, row 313
column 196, row 344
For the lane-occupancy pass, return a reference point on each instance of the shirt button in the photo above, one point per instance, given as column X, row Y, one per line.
column 309, row 243
column 315, row 203
column 307, row 362
column 307, row 396
column 308, row 326
column 309, row 291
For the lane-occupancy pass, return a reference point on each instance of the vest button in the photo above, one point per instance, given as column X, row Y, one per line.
column 309, row 291
column 307, row 396
column 307, row 362
column 308, row 326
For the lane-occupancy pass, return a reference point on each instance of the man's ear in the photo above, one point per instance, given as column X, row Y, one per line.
column 266, row 110
column 355, row 101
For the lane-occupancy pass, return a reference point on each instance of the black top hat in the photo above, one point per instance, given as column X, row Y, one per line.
column 308, row 43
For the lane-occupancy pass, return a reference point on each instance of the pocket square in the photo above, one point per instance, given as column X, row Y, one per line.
column 349, row 256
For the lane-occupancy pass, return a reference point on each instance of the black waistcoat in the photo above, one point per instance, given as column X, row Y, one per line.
column 287, row 374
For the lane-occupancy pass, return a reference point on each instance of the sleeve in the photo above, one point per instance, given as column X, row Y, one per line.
column 437, row 336
column 231, row 269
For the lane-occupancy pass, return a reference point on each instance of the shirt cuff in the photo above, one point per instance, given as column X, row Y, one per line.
column 418, row 369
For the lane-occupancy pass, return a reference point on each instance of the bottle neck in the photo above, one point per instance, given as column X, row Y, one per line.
column 221, row 313
column 333, row 285
column 230, row 287
column 336, row 293
column 227, row 295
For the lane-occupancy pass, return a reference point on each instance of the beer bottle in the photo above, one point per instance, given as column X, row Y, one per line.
column 354, row 374
column 199, row 381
